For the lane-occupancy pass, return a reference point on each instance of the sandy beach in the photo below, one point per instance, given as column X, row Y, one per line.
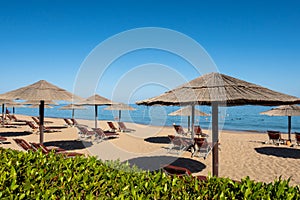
column 241, row 154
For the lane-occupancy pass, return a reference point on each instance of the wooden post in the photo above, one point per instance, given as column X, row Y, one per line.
column 189, row 123
column 3, row 114
column 289, row 126
column 96, row 115
column 193, row 121
column 42, row 106
column 73, row 113
column 215, row 139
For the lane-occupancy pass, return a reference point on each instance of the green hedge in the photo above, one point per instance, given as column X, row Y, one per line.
column 38, row 176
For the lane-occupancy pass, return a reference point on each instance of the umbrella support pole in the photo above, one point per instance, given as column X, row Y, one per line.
column 189, row 123
column 215, row 139
column 42, row 105
column 193, row 121
column 3, row 114
column 96, row 115
column 289, row 127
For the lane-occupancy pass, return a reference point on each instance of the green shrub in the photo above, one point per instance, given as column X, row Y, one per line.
column 39, row 176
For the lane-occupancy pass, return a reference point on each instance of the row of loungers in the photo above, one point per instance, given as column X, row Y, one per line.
column 113, row 128
column 46, row 150
column 199, row 146
column 275, row 138
column 197, row 131
column 13, row 121
column 98, row 134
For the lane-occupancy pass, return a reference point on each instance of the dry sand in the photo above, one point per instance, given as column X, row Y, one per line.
column 241, row 154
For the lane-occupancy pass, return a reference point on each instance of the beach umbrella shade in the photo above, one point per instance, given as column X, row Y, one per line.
column 215, row 89
column 285, row 110
column 187, row 111
column 72, row 107
column 38, row 105
column 37, row 102
column 119, row 107
column 96, row 100
column 40, row 91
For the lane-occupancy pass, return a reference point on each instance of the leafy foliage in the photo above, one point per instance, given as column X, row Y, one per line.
column 39, row 176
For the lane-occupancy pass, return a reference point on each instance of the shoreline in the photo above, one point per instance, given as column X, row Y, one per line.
column 241, row 153
column 230, row 130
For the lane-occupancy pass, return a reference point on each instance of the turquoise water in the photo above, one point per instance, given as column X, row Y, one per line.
column 231, row 118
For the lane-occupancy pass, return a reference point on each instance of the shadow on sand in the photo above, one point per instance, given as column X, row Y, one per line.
column 69, row 144
column 154, row 163
column 15, row 134
column 5, row 143
column 158, row 140
column 283, row 152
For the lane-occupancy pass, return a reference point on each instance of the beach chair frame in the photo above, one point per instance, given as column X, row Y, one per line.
column 179, row 144
column 275, row 137
column 201, row 147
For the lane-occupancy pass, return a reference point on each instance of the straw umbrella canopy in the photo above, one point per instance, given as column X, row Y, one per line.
column 285, row 110
column 41, row 91
column 119, row 107
column 96, row 100
column 217, row 89
column 187, row 111
column 37, row 102
column 38, row 105
column 72, row 107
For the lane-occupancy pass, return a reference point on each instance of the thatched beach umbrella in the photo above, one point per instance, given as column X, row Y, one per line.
column 96, row 100
column 119, row 107
column 72, row 107
column 187, row 111
column 217, row 89
column 286, row 110
column 41, row 91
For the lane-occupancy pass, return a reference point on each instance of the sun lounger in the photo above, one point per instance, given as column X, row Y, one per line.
column 179, row 130
column 11, row 124
column 9, row 117
column 24, row 144
column 100, row 135
column 112, row 126
column 68, row 122
column 75, row 123
column 37, row 120
column 201, row 147
column 45, row 150
column 179, row 144
column 297, row 138
column 14, row 118
column 175, row 170
column 2, row 139
column 198, row 131
column 275, row 137
column 84, row 132
column 35, row 129
column 123, row 128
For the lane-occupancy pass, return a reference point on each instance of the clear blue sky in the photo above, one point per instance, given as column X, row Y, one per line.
column 257, row 41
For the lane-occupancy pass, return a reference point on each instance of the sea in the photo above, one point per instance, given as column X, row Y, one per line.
column 239, row 118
